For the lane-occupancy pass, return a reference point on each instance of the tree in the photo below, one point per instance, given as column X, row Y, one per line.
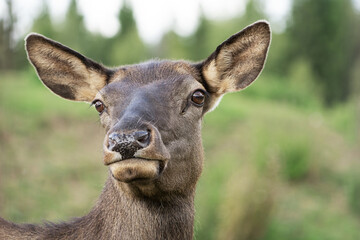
column 172, row 46
column 199, row 48
column 7, row 46
column 322, row 32
column 73, row 30
column 127, row 20
column 127, row 46
column 43, row 23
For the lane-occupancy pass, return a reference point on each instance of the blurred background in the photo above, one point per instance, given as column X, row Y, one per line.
column 282, row 157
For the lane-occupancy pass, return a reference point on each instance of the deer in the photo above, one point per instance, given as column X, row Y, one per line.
column 152, row 114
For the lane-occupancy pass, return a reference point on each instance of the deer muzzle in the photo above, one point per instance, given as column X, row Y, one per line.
column 135, row 155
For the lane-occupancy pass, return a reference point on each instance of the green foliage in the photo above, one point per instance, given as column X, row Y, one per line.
column 172, row 46
column 197, row 43
column 74, row 23
column 353, row 193
column 343, row 118
column 39, row 136
column 253, row 11
column 8, row 54
column 208, row 35
column 278, row 62
column 126, row 46
column 248, row 205
column 295, row 158
column 43, row 23
column 128, row 49
column 323, row 32
column 126, row 19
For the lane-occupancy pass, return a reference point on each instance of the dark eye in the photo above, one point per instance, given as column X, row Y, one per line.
column 198, row 97
column 99, row 106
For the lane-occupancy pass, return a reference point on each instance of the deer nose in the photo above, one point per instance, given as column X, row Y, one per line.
column 127, row 144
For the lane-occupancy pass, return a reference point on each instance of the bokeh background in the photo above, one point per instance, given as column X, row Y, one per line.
column 282, row 157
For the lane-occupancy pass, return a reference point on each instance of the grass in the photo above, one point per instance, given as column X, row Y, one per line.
column 306, row 153
column 45, row 141
column 269, row 142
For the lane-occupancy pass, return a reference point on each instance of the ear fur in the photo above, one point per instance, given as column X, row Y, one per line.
column 64, row 71
column 238, row 61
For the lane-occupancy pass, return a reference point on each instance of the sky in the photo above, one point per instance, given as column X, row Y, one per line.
column 153, row 17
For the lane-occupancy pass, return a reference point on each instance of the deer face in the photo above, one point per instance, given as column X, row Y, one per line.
column 152, row 111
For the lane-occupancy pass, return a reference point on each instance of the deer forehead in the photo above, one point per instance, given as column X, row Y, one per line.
column 166, row 81
column 154, row 70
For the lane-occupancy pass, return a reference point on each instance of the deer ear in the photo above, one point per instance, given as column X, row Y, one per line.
column 238, row 61
column 65, row 71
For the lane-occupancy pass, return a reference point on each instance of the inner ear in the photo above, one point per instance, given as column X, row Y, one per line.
column 238, row 61
column 65, row 71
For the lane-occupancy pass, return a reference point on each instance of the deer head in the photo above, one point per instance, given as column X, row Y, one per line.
column 152, row 112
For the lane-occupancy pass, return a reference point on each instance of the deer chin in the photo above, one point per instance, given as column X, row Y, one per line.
column 136, row 169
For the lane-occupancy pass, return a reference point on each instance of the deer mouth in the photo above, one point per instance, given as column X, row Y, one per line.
column 136, row 169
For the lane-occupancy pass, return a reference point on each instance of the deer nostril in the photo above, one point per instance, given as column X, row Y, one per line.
column 128, row 144
column 114, row 138
column 142, row 137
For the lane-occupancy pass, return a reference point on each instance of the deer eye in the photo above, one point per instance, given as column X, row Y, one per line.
column 99, row 106
column 198, row 97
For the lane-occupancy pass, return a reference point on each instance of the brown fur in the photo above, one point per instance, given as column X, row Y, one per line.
column 149, row 195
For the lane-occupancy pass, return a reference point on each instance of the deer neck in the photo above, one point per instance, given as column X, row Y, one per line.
column 117, row 215
column 120, row 214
